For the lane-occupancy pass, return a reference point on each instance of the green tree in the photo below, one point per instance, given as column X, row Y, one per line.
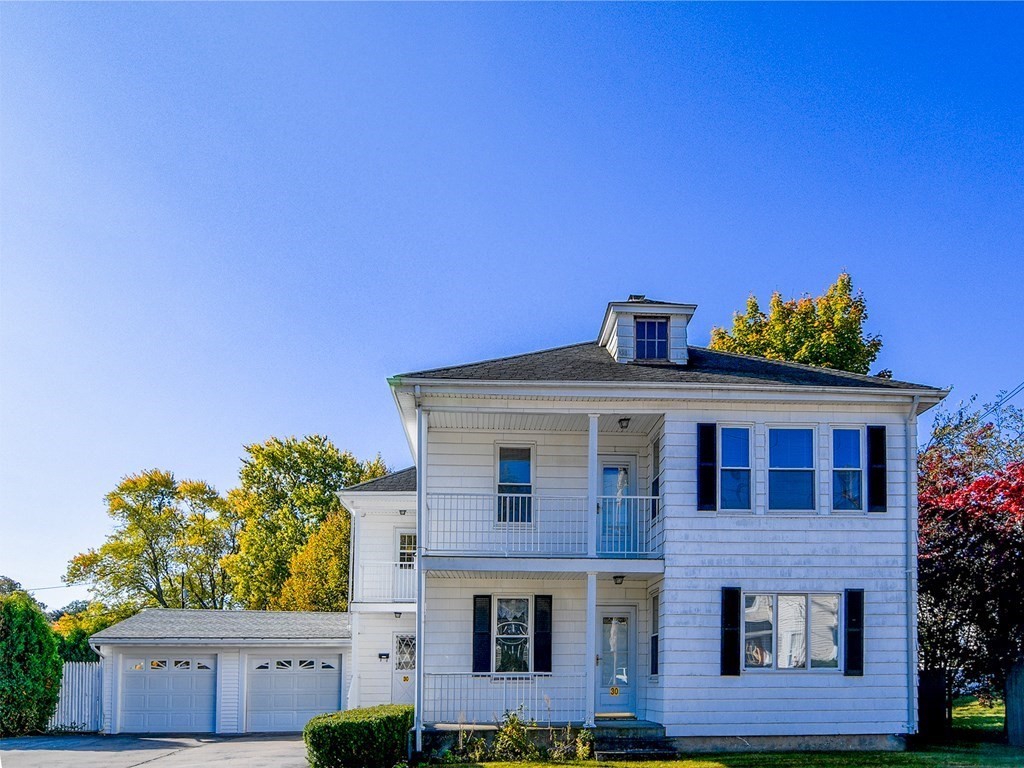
column 73, row 629
column 166, row 548
column 318, row 573
column 287, row 489
column 30, row 669
column 827, row 331
column 9, row 586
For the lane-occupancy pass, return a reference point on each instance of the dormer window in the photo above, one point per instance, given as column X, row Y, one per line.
column 652, row 338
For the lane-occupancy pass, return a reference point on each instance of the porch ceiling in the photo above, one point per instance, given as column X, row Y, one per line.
column 535, row 422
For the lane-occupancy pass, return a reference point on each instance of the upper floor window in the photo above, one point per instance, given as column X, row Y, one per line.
column 515, row 484
column 847, row 472
column 652, row 338
column 406, row 549
column 790, row 469
column 735, row 468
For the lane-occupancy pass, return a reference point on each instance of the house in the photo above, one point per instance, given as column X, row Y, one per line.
column 716, row 548
column 174, row 671
column 716, row 545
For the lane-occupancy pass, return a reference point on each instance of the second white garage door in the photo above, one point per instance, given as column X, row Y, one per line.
column 283, row 691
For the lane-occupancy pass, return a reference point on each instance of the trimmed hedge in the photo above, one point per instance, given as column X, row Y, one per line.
column 374, row 737
column 30, row 669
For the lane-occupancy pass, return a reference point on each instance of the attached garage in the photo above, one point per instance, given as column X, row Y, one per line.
column 174, row 671
column 284, row 690
column 169, row 692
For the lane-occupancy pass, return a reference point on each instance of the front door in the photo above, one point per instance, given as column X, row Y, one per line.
column 403, row 680
column 616, row 667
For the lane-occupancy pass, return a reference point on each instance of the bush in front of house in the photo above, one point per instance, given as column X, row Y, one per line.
column 373, row 737
column 30, row 668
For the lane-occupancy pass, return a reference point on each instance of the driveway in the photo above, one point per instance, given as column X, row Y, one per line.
column 91, row 751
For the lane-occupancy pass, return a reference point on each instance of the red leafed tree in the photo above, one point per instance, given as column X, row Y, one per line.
column 971, row 566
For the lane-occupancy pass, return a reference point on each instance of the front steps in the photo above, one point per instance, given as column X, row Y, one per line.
column 631, row 740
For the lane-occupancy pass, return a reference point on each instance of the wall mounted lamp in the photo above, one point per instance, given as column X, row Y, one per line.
column 384, row 656
column 618, row 579
column 398, row 614
column 624, row 422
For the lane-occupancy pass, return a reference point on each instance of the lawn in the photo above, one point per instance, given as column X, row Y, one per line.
column 982, row 725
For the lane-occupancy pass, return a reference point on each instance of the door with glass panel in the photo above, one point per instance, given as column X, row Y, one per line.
column 622, row 520
column 403, row 680
column 616, row 664
column 404, row 585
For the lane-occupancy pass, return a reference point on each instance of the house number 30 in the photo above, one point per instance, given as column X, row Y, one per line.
column 614, row 690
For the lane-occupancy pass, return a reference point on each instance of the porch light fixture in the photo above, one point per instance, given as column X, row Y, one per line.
column 618, row 579
column 624, row 422
column 401, row 511
column 384, row 656
column 398, row 614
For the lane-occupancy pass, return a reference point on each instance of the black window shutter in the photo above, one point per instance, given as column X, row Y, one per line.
column 542, row 633
column 853, row 664
column 481, row 633
column 877, row 473
column 707, row 467
column 654, row 654
column 731, row 631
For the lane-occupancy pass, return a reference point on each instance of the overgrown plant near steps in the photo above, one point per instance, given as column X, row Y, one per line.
column 515, row 742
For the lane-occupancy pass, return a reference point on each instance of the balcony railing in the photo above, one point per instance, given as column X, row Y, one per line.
column 385, row 582
column 506, row 524
column 537, row 525
column 630, row 526
column 484, row 698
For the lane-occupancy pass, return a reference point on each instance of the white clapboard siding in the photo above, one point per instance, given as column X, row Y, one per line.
column 79, row 707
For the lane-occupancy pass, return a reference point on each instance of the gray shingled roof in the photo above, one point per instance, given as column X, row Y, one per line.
column 404, row 480
column 169, row 623
column 590, row 362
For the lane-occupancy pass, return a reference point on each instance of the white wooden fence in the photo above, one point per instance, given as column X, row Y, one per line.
column 79, row 707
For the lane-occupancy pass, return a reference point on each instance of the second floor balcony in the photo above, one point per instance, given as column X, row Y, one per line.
column 538, row 525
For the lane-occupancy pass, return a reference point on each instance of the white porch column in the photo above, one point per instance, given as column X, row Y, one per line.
column 421, row 512
column 590, row 660
column 592, row 486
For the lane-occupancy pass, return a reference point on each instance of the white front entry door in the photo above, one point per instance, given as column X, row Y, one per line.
column 616, row 668
column 403, row 680
column 284, row 690
column 172, row 692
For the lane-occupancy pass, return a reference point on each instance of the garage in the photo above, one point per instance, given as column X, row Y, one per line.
column 202, row 671
column 172, row 692
column 284, row 690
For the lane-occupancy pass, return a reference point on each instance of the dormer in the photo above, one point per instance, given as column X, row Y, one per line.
column 641, row 330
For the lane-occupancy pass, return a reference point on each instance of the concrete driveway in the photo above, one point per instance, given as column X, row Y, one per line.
column 91, row 751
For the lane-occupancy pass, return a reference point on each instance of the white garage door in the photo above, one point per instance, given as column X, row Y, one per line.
column 169, row 693
column 283, row 691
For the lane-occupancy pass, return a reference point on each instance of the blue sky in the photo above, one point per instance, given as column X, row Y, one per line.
column 220, row 223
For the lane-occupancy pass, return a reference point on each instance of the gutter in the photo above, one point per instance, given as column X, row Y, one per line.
column 911, row 575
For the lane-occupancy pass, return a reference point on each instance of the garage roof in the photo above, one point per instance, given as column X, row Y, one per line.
column 161, row 624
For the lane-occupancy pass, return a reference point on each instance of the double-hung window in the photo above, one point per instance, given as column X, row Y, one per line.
column 512, row 634
column 847, row 470
column 515, row 484
column 734, row 483
column 652, row 338
column 790, row 469
column 785, row 631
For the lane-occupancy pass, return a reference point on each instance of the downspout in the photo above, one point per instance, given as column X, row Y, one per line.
column 421, row 498
column 911, row 508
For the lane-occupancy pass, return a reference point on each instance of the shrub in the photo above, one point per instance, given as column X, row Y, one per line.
column 512, row 742
column 30, row 669
column 374, row 737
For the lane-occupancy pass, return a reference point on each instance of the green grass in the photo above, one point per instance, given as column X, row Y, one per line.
column 958, row 756
column 979, row 728
column 971, row 715
column 982, row 724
